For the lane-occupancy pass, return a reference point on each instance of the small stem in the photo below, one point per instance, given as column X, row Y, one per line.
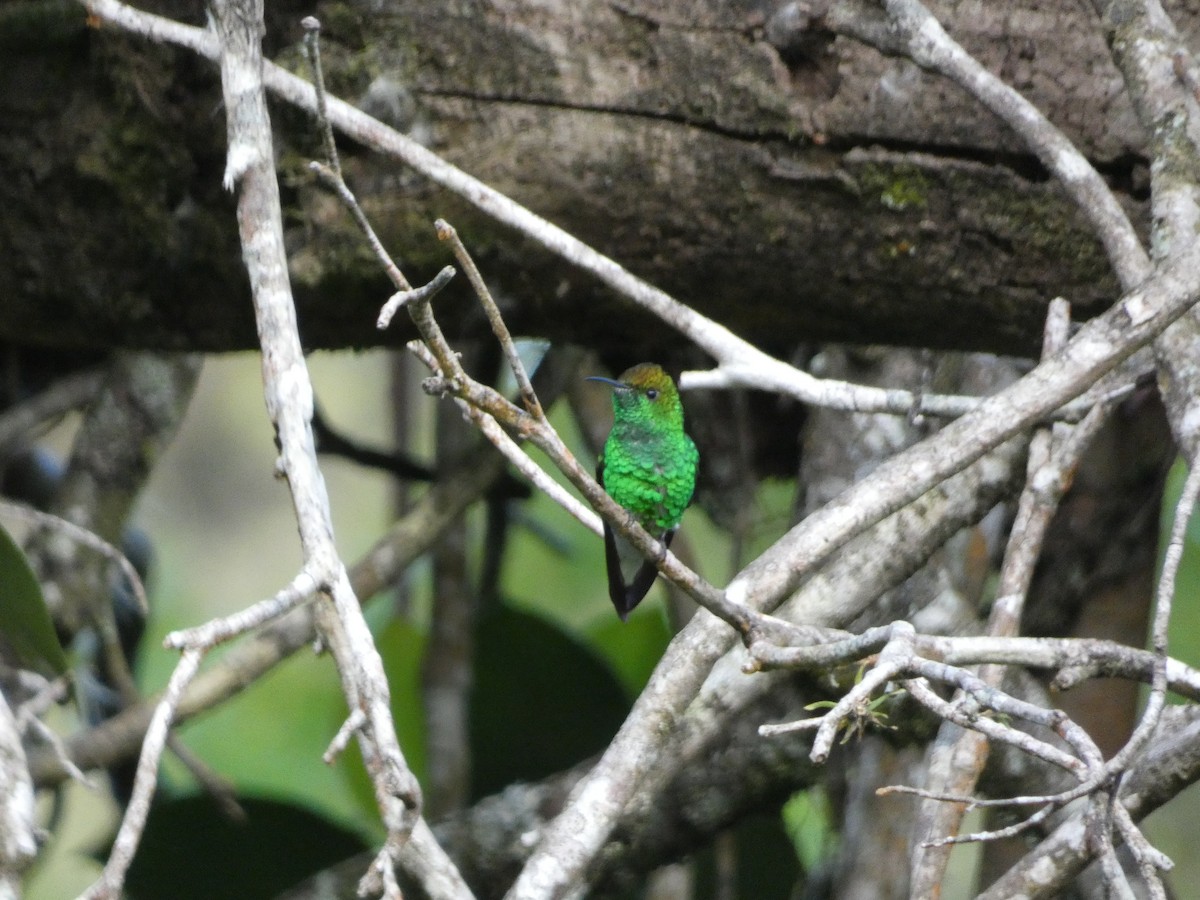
column 312, row 46
column 446, row 232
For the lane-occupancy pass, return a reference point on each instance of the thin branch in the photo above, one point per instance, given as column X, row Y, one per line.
column 417, row 295
column 967, row 715
column 331, row 177
column 204, row 637
column 342, row 739
column 537, row 476
column 490, row 428
column 130, row 833
column 312, row 47
column 446, row 232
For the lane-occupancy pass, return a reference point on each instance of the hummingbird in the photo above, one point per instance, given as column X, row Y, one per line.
column 648, row 466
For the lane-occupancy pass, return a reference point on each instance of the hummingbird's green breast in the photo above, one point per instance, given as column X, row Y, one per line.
column 651, row 474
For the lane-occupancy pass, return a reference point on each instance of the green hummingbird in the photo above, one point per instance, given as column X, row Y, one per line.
column 649, row 467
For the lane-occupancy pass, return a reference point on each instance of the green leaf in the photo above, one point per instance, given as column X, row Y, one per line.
column 767, row 867
column 809, row 823
column 25, row 624
column 632, row 649
column 542, row 701
column 190, row 851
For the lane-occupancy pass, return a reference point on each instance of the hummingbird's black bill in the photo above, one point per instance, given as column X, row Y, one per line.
column 608, row 381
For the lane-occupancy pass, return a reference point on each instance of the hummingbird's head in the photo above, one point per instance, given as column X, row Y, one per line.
column 645, row 393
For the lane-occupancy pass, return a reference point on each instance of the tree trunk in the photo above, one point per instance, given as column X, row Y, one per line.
column 790, row 183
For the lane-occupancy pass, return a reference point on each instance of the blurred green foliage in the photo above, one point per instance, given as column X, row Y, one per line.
column 25, row 625
column 555, row 671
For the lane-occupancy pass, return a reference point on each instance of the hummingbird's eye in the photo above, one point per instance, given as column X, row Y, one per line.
column 652, row 394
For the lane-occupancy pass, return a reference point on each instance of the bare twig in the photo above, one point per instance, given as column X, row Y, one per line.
column 331, row 177
column 1153, row 58
column 341, row 740
column 312, row 47
column 1119, row 764
column 130, row 833
column 417, row 295
column 829, row 648
column 899, row 657
column 537, row 476
column 204, row 637
column 446, row 232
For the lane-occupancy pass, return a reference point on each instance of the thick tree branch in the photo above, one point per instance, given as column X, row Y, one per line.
column 739, row 362
column 907, row 28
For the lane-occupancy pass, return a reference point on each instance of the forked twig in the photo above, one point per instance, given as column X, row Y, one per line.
column 529, row 423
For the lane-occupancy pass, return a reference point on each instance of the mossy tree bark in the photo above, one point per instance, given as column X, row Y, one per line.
column 794, row 188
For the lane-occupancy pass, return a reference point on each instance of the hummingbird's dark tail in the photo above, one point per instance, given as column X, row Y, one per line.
column 625, row 596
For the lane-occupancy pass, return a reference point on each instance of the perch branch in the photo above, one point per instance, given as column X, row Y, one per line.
column 482, row 401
